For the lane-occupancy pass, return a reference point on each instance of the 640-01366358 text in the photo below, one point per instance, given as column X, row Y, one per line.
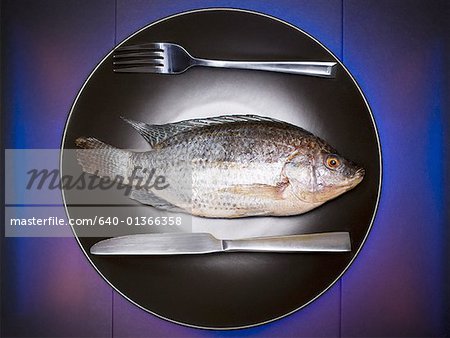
column 97, row 220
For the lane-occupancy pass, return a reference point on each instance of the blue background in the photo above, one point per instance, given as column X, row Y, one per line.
column 398, row 285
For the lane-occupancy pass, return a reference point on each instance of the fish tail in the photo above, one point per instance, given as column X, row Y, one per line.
column 101, row 159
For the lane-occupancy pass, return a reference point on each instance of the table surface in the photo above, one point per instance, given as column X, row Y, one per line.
column 398, row 285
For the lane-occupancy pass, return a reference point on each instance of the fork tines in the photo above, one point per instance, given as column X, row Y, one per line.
column 143, row 58
column 143, row 46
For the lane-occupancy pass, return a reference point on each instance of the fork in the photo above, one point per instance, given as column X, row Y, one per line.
column 170, row 58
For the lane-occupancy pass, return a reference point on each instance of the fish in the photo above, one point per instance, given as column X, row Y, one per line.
column 228, row 166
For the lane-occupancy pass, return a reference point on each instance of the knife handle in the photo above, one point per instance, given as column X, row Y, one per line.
column 322, row 242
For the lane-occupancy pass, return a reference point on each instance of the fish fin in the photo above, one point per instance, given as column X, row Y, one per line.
column 156, row 133
column 147, row 197
column 150, row 133
column 257, row 190
column 101, row 159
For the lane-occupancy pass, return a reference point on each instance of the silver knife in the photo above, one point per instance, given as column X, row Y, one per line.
column 202, row 243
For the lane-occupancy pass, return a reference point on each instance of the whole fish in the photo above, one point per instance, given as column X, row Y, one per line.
column 226, row 166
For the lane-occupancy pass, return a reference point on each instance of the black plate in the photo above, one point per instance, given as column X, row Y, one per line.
column 234, row 289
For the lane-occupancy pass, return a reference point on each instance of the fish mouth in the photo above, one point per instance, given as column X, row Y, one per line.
column 354, row 180
column 334, row 191
column 360, row 172
column 358, row 177
column 351, row 182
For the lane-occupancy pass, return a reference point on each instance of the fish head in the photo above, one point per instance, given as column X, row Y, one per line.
column 321, row 174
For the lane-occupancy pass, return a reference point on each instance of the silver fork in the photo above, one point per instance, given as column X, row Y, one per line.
column 170, row 58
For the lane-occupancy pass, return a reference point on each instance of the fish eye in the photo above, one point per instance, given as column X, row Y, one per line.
column 332, row 162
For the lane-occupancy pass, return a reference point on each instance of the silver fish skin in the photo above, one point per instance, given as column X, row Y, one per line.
column 229, row 166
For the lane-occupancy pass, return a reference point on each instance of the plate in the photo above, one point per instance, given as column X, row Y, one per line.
column 231, row 290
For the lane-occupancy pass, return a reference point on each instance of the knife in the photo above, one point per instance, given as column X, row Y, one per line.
column 202, row 243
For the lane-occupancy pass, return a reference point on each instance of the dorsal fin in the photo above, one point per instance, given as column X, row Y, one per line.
column 156, row 133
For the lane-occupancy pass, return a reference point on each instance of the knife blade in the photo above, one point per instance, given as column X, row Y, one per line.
column 202, row 243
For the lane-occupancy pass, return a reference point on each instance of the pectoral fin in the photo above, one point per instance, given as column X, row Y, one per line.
column 274, row 192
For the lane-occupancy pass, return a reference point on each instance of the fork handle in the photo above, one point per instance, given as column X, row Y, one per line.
column 312, row 68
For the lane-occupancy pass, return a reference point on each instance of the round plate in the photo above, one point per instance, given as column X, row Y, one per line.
column 231, row 290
